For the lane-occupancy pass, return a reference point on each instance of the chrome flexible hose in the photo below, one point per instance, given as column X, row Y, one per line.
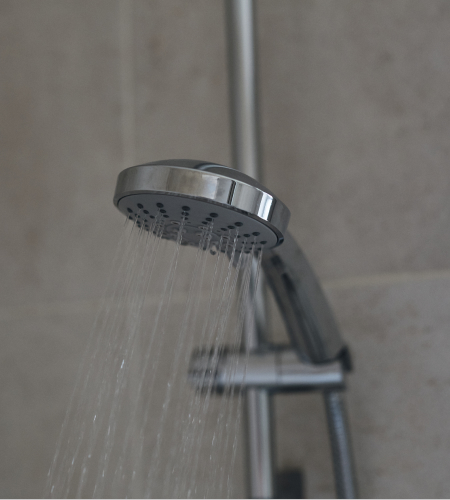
column 341, row 451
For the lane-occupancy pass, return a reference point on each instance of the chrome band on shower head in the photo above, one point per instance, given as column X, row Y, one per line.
column 234, row 200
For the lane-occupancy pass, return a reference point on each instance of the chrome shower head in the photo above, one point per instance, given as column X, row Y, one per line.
column 209, row 198
column 202, row 195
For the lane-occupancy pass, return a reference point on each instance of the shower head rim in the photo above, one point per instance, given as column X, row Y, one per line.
column 191, row 179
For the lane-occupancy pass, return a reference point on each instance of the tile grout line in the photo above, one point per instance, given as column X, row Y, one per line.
column 63, row 308
column 384, row 279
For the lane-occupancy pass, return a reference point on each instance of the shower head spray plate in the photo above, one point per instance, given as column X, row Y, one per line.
column 202, row 197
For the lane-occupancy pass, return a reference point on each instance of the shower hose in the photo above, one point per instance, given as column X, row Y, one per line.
column 340, row 445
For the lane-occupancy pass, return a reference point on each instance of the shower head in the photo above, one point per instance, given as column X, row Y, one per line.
column 205, row 198
column 202, row 195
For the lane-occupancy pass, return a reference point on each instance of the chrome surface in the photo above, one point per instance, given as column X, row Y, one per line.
column 245, row 139
column 258, row 407
column 309, row 320
column 234, row 198
column 260, row 442
column 277, row 370
column 343, row 466
column 244, row 113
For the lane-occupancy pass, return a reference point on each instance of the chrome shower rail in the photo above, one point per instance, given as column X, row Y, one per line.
column 319, row 342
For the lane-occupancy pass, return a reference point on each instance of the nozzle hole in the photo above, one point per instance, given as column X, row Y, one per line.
column 159, row 205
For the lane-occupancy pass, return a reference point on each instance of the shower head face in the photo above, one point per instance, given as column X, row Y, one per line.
column 202, row 196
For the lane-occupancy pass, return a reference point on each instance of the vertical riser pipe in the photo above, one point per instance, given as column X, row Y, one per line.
column 246, row 158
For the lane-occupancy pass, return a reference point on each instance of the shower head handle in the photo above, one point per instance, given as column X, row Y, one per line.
column 309, row 320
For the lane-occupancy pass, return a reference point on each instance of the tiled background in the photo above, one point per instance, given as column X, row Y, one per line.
column 356, row 121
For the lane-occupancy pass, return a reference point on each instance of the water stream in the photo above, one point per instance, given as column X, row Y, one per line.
column 135, row 426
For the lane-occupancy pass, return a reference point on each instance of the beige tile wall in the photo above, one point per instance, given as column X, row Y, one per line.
column 356, row 120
